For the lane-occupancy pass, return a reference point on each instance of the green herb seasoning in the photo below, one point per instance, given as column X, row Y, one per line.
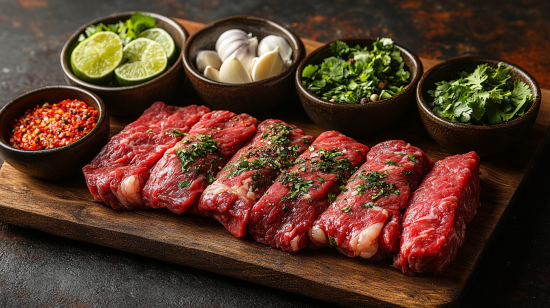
column 202, row 146
column 175, row 133
column 332, row 240
column 346, row 209
column 296, row 184
column 356, row 75
column 331, row 198
column 486, row 96
column 275, row 156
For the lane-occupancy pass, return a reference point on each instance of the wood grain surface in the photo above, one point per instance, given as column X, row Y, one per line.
column 66, row 208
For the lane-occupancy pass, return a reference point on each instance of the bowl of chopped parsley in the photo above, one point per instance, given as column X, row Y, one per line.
column 475, row 103
column 358, row 86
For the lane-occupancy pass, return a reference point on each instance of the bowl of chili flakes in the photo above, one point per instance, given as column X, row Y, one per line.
column 52, row 132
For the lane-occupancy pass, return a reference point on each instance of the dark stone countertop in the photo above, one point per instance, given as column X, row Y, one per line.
column 38, row 269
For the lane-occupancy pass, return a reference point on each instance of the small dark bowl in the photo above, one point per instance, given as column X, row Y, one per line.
column 131, row 101
column 357, row 119
column 247, row 97
column 57, row 163
column 487, row 140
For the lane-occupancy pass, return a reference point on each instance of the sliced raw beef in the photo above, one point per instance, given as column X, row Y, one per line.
column 365, row 219
column 117, row 174
column 283, row 216
column 435, row 221
column 182, row 174
column 275, row 147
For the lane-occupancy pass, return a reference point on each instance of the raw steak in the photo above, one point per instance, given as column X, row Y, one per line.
column 275, row 147
column 365, row 219
column 435, row 221
column 283, row 216
column 185, row 170
column 117, row 174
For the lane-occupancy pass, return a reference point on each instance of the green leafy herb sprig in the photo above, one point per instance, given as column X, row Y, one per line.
column 484, row 97
column 127, row 31
column 356, row 75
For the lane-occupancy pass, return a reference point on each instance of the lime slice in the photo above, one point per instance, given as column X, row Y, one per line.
column 164, row 39
column 95, row 58
column 146, row 59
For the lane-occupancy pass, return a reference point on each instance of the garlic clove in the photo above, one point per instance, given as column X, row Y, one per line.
column 237, row 40
column 269, row 43
column 252, row 65
column 267, row 65
column 233, row 34
column 208, row 58
column 212, row 73
column 247, row 52
column 233, row 71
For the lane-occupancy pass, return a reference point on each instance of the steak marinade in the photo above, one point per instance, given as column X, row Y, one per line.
column 185, row 170
column 284, row 214
column 274, row 147
column 120, row 170
column 434, row 224
column 365, row 219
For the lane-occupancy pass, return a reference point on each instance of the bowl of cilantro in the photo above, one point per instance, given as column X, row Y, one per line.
column 130, row 98
column 358, row 86
column 475, row 103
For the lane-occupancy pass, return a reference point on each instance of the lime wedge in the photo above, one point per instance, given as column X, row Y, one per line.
column 95, row 58
column 146, row 59
column 164, row 39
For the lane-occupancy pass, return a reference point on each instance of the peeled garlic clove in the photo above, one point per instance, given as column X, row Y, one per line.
column 233, row 71
column 208, row 58
column 212, row 73
column 252, row 65
column 269, row 43
column 235, row 40
column 267, row 65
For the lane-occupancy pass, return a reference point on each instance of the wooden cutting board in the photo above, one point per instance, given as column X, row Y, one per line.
column 66, row 208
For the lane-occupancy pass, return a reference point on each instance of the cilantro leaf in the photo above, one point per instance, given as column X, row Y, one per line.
column 484, row 97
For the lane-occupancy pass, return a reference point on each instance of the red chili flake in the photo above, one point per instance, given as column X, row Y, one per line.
column 51, row 126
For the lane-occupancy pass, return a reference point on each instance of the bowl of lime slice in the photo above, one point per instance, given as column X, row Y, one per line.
column 130, row 60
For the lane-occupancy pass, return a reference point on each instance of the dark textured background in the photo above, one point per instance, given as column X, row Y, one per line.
column 38, row 269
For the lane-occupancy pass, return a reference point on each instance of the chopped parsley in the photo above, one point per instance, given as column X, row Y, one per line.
column 346, row 209
column 343, row 188
column 332, row 240
column 484, row 97
column 203, row 146
column 296, row 184
column 175, row 133
column 390, row 162
column 311, row 148
column 331, row 198
column 285, row 208
column 412, row 158
column 408, row 173
column 183, row 184
column 369, row 205
column 305, row 140
column 150, row 130
column 320, row 179
column 353, row 73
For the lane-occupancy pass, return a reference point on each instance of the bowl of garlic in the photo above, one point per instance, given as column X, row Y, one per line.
column 243, row 63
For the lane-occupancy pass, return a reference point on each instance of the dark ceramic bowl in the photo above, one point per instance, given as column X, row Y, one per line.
column 461, row 138
column 57, row 163
column 357, row 119
column 131, row 101
column 247, row 97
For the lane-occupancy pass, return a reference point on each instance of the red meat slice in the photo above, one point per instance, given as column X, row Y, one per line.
column 283, row 216
column 117, row 174
column 365, row 219
column 435, row 222
column 274, row 147
column 177, row 184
